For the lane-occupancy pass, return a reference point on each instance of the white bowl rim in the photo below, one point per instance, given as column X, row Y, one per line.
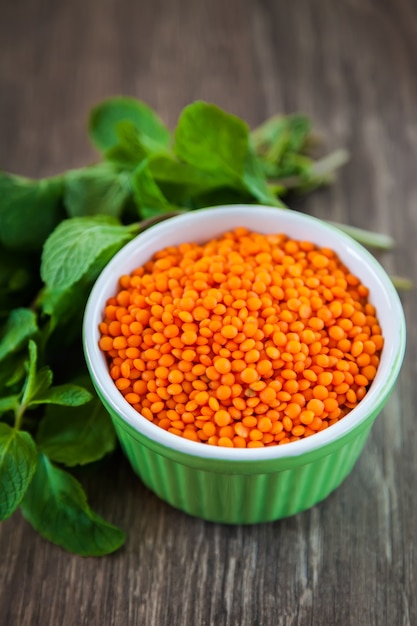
column 388, row 370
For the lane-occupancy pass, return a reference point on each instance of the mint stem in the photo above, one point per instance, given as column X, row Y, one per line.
column 402, row 283
column 366, row 237
column 18, row 416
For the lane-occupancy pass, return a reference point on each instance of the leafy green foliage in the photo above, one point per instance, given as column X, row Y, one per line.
column 74, row 246
column 133, row 147
column 20, row 326
column 12, row 373
column 18, row 458
column 167, row 169
column 64, row 395
column 64, row 309
column 29, row 211
column 278, row 141
column 36, row 381
column 96, row 190
column 219, row 144
column 38, row 390
column 77, row 437
column 57, row 234
column 129, row 150
column 8, row 403
column 55, row 504
column 105, row 117
column 254, row 181
column 213, row 140
column 148, row 195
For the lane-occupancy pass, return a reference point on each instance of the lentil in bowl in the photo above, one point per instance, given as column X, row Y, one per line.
column 253, row 483
column 247, row 340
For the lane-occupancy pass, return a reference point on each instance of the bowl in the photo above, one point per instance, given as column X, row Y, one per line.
column 250, row 485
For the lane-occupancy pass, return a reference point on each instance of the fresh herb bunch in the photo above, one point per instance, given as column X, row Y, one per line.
column 58, row 233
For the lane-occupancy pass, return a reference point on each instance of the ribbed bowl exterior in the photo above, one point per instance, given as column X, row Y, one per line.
column 235, row 493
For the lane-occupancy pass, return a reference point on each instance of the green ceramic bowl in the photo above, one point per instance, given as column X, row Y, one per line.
column 245, row 486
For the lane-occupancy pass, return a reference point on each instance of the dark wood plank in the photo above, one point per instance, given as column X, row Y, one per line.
column 350, row 65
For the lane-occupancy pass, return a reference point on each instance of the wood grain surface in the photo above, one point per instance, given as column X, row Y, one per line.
column 351, row 65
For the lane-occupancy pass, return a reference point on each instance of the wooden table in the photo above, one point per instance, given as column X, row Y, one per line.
column 351, row 65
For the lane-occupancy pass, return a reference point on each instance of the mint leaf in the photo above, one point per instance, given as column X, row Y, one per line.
column 105, row 117
column 133, row 147
column 148, row 197
column 29, row 211
column 65, row 307
column 255, row 182
column 277, row 139
column 74, row 246
column 77, row 437
column 36, row 381
column 18, row 458
column 167, row 169
column 96, row 190
column 299, row 131
column 56, row 506
column 20, row 326
column 271, row 140
column 218, row 143
column 9, row 403
column 38, row 390
column 212, row 140
column 41, row 382
column 295, row 165
column 129, row 150
column 12, row 373
column 65, row 395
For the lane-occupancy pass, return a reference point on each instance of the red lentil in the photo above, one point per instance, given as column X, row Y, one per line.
column 248, row 340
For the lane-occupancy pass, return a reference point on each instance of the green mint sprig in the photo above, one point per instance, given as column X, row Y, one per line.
column 57, row 234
